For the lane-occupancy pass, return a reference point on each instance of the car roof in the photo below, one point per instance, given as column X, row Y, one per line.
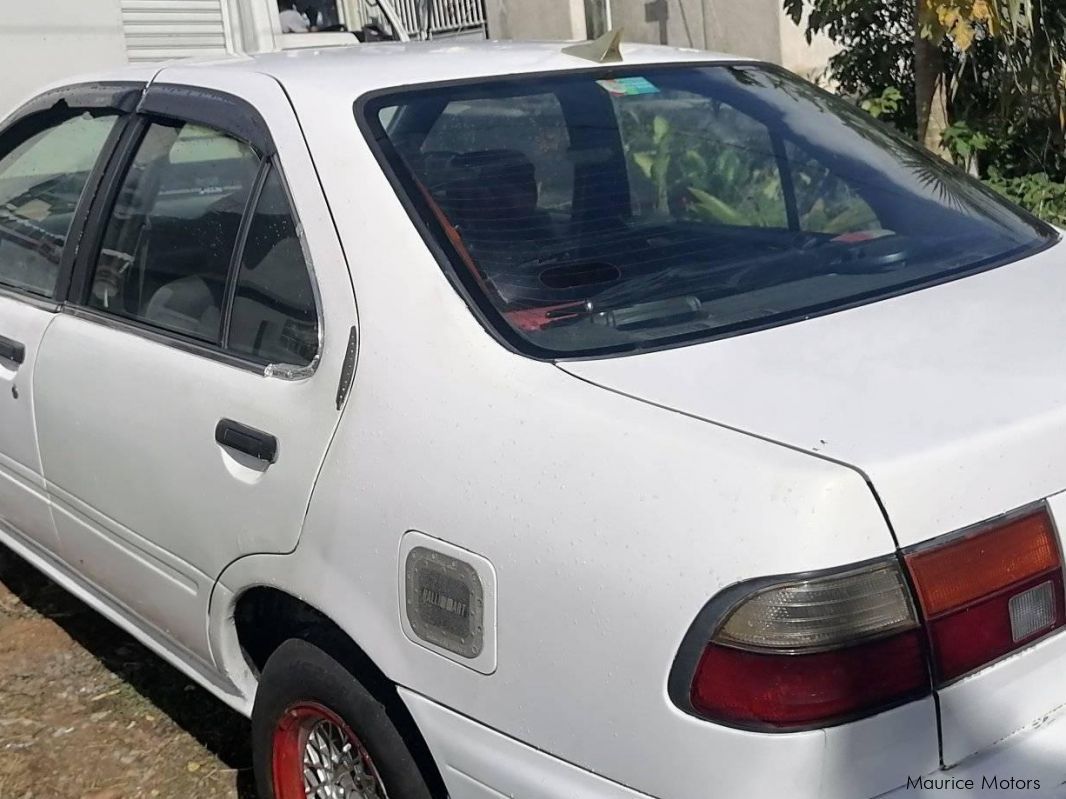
column 362, row 68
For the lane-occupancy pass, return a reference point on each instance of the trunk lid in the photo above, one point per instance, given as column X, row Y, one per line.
column 951, row 400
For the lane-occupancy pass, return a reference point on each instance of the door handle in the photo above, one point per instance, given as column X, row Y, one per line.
column 12, row 350
column 248, row 440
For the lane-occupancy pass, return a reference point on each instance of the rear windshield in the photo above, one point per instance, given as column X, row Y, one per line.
column 602, row 212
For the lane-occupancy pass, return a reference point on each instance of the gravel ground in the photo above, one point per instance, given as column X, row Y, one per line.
column 88, row 713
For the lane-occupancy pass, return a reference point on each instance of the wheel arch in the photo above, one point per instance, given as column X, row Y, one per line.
column 259, row 617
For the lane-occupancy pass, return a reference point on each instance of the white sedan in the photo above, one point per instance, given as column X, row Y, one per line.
column 500, row 420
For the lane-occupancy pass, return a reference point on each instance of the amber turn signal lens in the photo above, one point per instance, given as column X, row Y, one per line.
column 956, row 573
column 988, row 593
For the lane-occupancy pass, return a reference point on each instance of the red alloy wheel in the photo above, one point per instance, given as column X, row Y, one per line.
column 317, row 756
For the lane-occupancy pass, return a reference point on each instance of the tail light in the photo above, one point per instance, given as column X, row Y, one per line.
column 812, row 651
column 988, row 592
column 820, row 649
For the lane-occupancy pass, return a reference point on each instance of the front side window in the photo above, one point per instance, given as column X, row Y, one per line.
column 167, row 248
column 42, row 175
column 664, row 205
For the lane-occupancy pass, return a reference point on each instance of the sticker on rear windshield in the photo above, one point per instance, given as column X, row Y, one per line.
column 625, row 87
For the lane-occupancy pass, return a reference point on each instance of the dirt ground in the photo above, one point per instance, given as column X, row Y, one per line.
column 88, row 713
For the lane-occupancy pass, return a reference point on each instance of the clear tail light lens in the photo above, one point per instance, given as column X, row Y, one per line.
column 812, row 652
column 988, row 592
column 821, row 612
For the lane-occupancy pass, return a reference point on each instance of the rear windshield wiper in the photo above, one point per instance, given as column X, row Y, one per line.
column 654, row 313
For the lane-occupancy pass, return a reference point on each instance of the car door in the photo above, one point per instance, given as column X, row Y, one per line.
column 52, row 152
column 188, row 394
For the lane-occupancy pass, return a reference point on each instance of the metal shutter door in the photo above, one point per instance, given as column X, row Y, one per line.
column 159, row 30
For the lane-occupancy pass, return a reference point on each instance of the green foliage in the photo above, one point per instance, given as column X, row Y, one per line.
column 963, row 142
column 1004, row 62
column 703, row 176
column 1041, row 195
column 888, row 102
column 827, row 204
column 876, row 41
column 722, row 169
column 962, row 21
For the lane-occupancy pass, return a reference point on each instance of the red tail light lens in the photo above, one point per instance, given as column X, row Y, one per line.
column 811, row 652
column 753, row 689
column 987, row 593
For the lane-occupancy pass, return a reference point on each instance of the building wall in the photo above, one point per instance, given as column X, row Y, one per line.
column 677, row 22
column 535, row 19
column 45, row 40
column 809, row 60
column 753, row 28
column 745, row 27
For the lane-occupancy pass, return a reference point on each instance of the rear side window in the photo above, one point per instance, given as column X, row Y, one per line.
column 43, row 172
column 167, row 248
column 274, row 318
column 610, row 211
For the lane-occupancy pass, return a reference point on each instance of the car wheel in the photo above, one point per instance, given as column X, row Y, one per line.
column 317, row 733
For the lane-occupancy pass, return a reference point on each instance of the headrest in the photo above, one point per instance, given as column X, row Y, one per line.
column 489, row 186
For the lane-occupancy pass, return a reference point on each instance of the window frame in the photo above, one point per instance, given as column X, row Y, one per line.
column 52, row 108
column 232, row 116
column 423, row 219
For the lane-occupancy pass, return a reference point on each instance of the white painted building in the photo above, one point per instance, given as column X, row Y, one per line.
column 44, row 40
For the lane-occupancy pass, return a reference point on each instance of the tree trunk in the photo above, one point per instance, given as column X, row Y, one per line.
column 929, row 87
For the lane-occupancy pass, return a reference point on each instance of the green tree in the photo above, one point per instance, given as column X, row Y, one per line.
column 996, row 65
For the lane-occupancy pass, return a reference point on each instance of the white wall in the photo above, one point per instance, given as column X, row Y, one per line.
column 809, row 60
column 44, row 40
column 535, row 19
column 754, row 28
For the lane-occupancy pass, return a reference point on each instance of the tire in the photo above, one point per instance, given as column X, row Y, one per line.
column 305, row 699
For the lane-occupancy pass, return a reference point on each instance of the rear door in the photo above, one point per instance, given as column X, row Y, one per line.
column 52, row 152
column 189, row 393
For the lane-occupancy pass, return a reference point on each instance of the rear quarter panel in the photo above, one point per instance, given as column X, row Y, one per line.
column 609, row 522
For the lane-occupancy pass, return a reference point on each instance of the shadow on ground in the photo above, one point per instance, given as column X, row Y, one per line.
column 219, row 730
